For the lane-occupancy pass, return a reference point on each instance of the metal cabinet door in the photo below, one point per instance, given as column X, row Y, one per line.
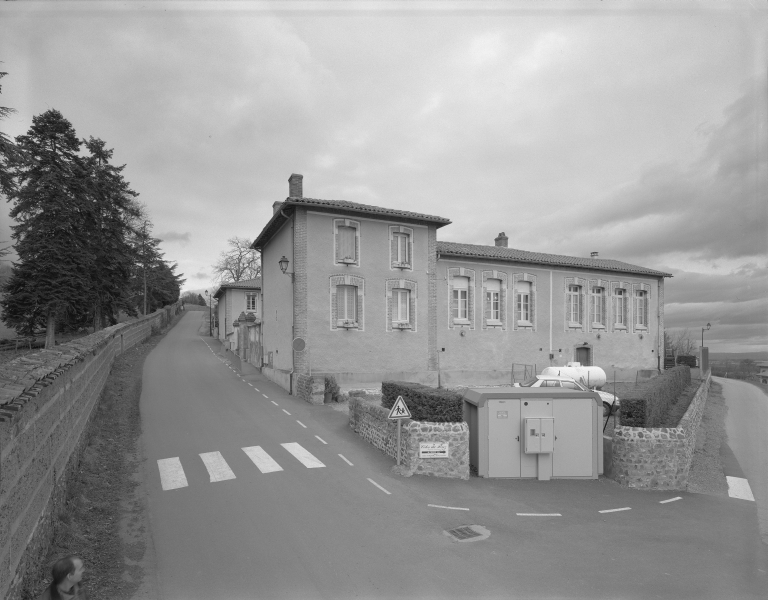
column 572, row 454
column 503, row 438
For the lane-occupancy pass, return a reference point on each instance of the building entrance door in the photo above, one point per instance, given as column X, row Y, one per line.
column 504, row 438
column 584, row 356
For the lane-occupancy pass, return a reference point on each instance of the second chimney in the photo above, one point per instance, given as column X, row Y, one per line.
column 593, row 254
column 501, row 240
column 276, row 206
column 294, row 186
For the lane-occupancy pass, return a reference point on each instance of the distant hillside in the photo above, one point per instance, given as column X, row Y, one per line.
column 738, row 355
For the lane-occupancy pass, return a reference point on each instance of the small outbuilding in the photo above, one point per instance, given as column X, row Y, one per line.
column 541, row 433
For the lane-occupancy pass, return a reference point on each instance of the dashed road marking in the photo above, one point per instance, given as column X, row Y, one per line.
column 217, row 467
column 303, row 456
column 346, row 460
column 670, row 500
column 738, row 487
column 171, row 473
column 321, row 439
column 610, row 510
column 300, row 423
column 378, row 486
column 539, row 515
column 275, row 403
column 255, row 388
column 264, row 462
column 447, row 507
column 267, row 397
column 286, row 412
column 250, row 384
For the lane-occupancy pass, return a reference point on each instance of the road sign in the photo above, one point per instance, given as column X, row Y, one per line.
column 399, row 410
column 433, row 450
column 299, row 344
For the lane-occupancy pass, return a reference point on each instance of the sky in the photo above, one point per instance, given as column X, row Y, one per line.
column 636, row 130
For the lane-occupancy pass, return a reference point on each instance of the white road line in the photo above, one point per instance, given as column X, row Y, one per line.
column 300, row 423
column 448, row 507
column 345, row 460
column 670, row 500
column 738, row 487
column 539, row 515
column 378, row 486
column 250, row 384
column 217, row 467
column 263, row 394
column 615, row 509
column 286, row 412
column 275, row 403
column 321, row 439
column 255, row 388
column 303, row 456
column 262, row 460
column 171, row 473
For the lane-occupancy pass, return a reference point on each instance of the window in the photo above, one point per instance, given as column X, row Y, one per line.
column 641, row 309
column 460, row 299
column 402, row 300
column 493, row 300
column 597, row 307
column 250, row 302
column 346, row 305
column 620, row 308
column 573, row 307
column 401, row 247
column 402, row 255
column 523, row 302
column 346, row 244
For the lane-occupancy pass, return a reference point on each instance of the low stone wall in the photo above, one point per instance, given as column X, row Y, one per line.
column 369, row 420
column 46, row 402
column 659, row 458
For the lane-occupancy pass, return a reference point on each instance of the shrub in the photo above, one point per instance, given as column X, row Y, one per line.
column 331, row 385
column 687, row 360
column 424, row 402
column 648, row 406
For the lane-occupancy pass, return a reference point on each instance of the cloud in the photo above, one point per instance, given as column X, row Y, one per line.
column 174, row 236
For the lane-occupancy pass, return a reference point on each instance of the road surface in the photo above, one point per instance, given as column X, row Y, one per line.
column 256, row 494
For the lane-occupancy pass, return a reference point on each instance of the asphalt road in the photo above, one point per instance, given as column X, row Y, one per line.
column 357, row 530
column 746, row 427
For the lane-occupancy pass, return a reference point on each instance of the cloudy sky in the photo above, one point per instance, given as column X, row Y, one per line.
column 639, row 133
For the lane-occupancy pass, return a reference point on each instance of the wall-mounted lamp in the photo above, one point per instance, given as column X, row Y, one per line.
column 641, row 336
column 702, row 334
column 283, row 262
column 463, row 333
column 598, row 336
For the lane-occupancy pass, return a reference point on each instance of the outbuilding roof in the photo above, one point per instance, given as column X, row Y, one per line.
column 559, row 260
column 278, row 218
column 248, row 284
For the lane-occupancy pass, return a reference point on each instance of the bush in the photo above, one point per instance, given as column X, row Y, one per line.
column 687, row 360
column 424, row 402
column 649, row 405
column 331, row 386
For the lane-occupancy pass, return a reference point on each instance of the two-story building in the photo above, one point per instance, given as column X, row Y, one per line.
column 236, row 301
column 368, row 294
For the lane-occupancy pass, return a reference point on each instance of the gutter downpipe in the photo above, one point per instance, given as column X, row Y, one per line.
column 293, row 300
column 551, row 292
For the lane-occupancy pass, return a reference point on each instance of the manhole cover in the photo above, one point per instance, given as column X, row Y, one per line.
column 468, row 533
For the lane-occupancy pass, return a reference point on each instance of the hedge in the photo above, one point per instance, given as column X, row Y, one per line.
column 424, row 402
column 685, row 359
column 648, row 406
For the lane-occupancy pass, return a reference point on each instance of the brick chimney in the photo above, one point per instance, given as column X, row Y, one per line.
column 501, row 239
column 593, row 254
column 276, row 206
column 294, row 186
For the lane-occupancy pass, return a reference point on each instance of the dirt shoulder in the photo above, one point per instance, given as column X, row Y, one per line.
column 106, row 521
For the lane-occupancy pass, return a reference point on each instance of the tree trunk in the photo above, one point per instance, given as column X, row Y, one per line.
column 96, row 316
column 50, row 330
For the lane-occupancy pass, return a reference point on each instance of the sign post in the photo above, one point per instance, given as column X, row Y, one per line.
column 399, row 412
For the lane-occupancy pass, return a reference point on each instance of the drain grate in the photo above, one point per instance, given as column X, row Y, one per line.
column 463, row 533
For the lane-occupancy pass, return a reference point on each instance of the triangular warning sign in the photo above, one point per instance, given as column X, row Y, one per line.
column 399, row 410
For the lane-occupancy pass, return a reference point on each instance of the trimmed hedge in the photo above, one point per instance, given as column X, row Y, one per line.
column 648, row 406
column 424, row 402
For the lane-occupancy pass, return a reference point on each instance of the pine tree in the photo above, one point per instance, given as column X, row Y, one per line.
column 8, row 152
column 51, row 208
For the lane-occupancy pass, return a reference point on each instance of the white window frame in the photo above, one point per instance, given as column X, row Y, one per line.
column 401, row 247
column 352, row 261
column 461, row 296
column 344, row 280
column 641, row 305
column 397, row 296
column 523, row 299
column 465, row 301
column 251, row 296
column 573, row 294
column 597, row 296
column 346, row 319
column 395, row 290
column 620, row 308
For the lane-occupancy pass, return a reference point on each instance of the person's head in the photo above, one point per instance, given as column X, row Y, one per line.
column 67, row 572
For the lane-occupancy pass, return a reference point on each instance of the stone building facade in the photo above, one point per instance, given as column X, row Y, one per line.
column 369, row 293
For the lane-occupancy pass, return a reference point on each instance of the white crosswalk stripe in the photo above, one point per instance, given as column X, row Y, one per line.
column 303, row 456
column 264, row 462
column 217, row 467
column 171, row 473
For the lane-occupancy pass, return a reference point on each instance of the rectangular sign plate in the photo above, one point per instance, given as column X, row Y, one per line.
column 433, row 450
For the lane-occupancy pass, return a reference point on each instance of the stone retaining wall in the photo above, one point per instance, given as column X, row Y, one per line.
column 46, row 402
column 369, row 420
column 659, row 458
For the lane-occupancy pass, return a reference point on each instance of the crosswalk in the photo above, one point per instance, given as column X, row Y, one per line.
column 172, row 475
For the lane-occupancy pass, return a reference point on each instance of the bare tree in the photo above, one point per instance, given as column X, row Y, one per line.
column 238, row 263
column 680, row 341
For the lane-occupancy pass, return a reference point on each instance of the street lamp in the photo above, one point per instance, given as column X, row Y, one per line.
column 702, row 333
column 210, row 314
column 283, row 262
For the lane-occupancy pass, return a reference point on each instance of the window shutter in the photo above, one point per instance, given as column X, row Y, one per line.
column 358, row 296
column 334, row 309
column 454, row 305
column 355, row 245
column 487, row 308
column 338, row 244
column 409, row 247
column 393, row 248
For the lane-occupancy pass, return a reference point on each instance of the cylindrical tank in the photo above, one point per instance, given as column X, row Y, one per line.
column 593, row 377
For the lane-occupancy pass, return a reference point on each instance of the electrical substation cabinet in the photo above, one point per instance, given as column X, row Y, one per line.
column 540, row 433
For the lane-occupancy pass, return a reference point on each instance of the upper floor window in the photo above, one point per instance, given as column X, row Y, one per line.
column 573, row 308
column 460, row 300
column 493, row 300
column 641, row 308
column 597, row 306
column 250, row 302
column 347, row 243
column 523, row 302
column 620, row 308
column 401, row 246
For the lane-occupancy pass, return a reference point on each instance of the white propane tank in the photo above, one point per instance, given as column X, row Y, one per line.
column 593, row 377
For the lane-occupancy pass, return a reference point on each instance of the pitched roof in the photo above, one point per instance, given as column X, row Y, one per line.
column 511, row 254
column 250, row 284
column 277, row 219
